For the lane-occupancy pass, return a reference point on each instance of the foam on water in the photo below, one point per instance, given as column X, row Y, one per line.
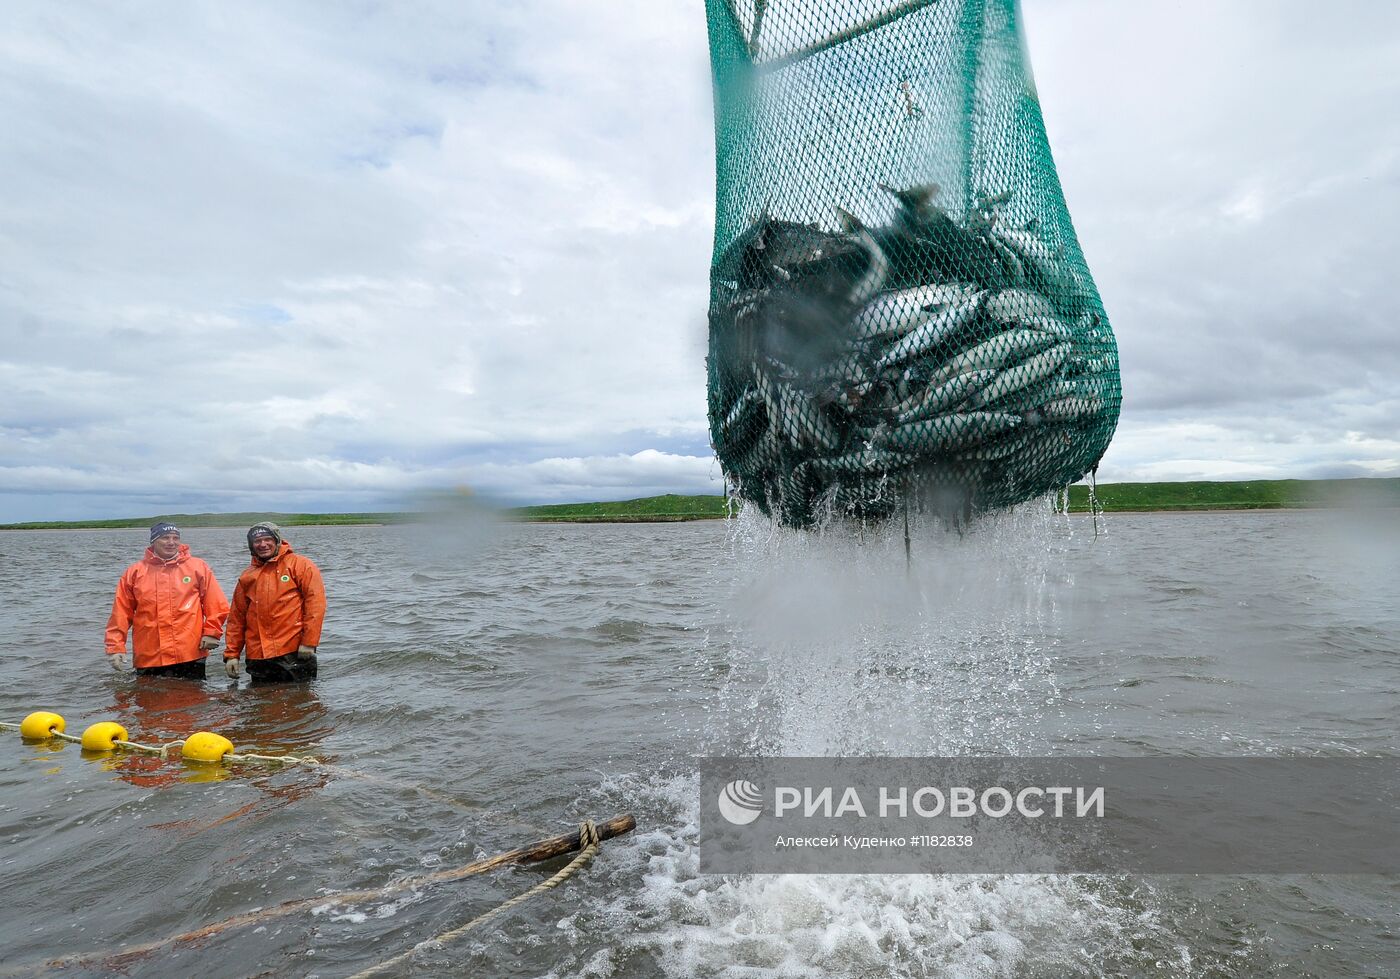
column 683, row 924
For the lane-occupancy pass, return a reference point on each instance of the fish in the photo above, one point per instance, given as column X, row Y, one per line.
column 994, row 353
column 863, row 365
column 949, row 395
column 803, row 416
column 990, row 202
column 762, row 454
column 1050, row 325
column 763, row 384
column 945, row 433
column 1003, row 447
column 1026, row 245
column 915, row 208
column 1089, row 322
column 916, row 199
column 1042, row 449
column 926, row 243
column 1041, row 265
column 1012, row 306
column 915, row 203
column 878, row 269
column 1035, row 395
column 1071, row 409
column 940, row 328
column 770, row 251
column 848, row 370
column 1010, row 262
column 885, row 318
column 896, row 313
column 740, row 422
column 1033, row 370
column 1093, row 365
column 902, row 387
column 862, row 461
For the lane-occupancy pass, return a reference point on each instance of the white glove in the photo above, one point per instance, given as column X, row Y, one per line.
column 231, row 667
column 121, row 662
column 208, row 643
column 306, row 652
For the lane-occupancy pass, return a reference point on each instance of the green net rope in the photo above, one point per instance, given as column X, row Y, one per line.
column 899, row 308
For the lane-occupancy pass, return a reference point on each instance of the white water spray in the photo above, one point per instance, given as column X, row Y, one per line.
column 838, row 645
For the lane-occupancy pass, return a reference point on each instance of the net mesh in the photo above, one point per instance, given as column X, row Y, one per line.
column 899, row 307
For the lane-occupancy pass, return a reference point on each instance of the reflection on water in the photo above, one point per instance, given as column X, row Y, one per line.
column 160, row 709
column 282, row 719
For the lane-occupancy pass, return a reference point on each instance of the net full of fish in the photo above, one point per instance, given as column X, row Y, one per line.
column 875, row 343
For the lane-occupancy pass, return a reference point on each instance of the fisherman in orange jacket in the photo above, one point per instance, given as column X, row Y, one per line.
column 278, row 608
column 173, row 607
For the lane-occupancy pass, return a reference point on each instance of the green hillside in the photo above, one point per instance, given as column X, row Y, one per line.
column 216, row 520
column 1259, row 494
column 651, row 508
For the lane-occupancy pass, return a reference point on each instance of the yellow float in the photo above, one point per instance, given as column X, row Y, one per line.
column 40, row 726
column 103, row 735
column 205, row 746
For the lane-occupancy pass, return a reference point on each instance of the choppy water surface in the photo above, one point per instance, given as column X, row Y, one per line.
column 495, row 684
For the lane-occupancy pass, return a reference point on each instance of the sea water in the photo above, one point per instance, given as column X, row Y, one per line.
column 484, row 685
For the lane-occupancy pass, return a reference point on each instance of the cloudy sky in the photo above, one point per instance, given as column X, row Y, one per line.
column 323, row 256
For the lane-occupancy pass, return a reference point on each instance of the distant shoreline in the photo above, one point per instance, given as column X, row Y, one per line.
column 1187, row 497
column 693, row 518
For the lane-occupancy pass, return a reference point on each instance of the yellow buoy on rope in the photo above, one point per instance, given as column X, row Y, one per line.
column 41, row 725
column 103, row 736
column 107, row 736
column 205, row 746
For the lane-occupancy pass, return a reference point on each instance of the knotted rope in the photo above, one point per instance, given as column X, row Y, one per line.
column 590, row 841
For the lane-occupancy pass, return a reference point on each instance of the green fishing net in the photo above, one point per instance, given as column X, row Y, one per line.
column 900, row 312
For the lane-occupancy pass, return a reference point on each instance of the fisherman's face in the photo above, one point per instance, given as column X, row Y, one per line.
column 264, row 547
column 166, row 546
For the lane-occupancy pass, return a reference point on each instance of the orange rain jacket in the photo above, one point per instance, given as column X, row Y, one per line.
column 277, row 607
column 167, row 606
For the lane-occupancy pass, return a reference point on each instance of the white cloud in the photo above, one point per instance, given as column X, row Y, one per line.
column 313, row 256
column 613, row 477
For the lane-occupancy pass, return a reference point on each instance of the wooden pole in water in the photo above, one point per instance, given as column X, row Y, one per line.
column 540, row 850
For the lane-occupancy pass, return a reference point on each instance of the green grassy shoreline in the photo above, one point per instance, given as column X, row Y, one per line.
column 1259, row 494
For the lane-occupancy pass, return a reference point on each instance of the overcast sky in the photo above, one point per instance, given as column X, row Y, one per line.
column 321, row 256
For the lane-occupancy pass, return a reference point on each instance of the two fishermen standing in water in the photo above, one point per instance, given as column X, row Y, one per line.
column 173, row 607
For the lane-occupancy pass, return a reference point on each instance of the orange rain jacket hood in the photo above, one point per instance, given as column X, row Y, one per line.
column 277, row 606
column 168, row 606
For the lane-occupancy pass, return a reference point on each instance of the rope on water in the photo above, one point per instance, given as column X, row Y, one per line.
column 146, row 749
column 591, row 843
column 547, row 849
column 273, row 759
column 111, row 741
column 202, row 746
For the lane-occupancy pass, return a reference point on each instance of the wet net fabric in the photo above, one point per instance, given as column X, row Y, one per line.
column 899, row 309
